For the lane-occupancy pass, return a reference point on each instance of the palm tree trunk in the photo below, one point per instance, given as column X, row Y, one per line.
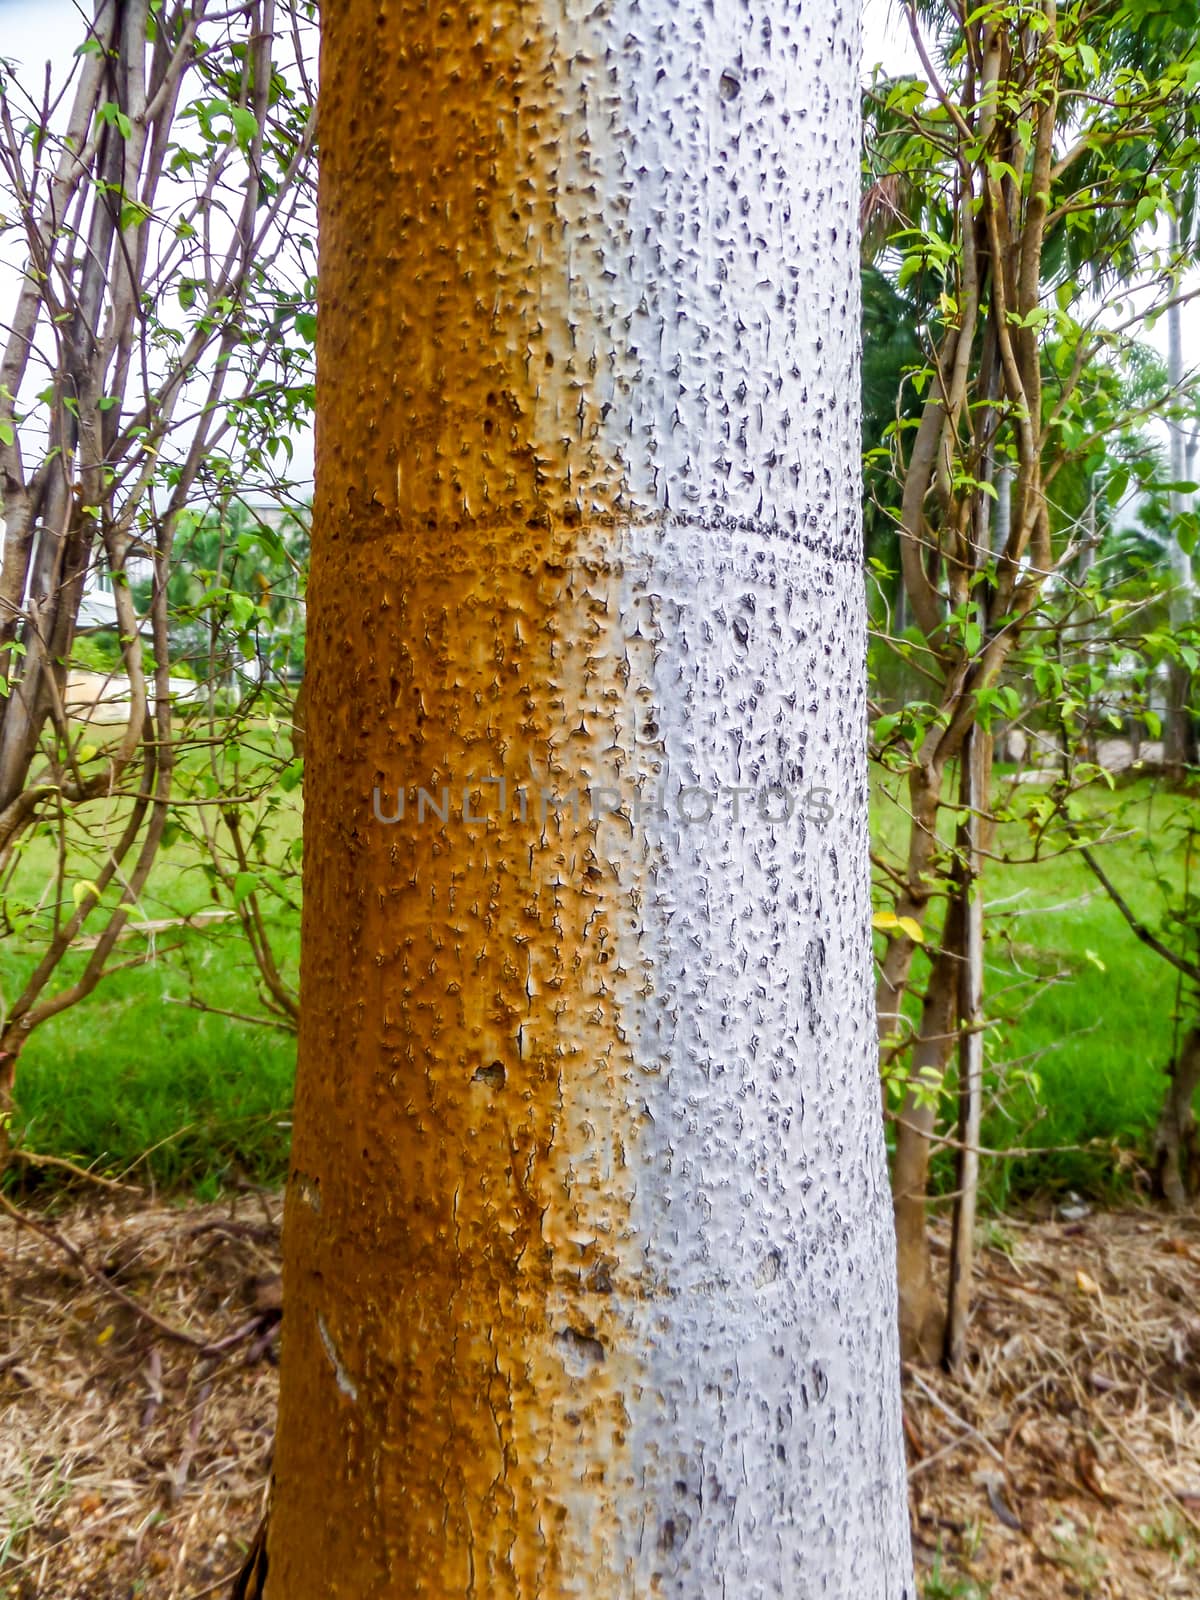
column 588, row 1251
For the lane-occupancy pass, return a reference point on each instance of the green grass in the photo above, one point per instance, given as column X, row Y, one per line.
column 1097, row 1018
column 1095, row 1023
column 1083, row 1013
column 136, row 1078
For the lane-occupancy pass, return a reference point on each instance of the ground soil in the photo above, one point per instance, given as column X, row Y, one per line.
column 1064, row 1461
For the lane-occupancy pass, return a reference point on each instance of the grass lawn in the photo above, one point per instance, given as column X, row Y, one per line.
column 1083, row 1013
column 1096, row 1008
column 138, row 1075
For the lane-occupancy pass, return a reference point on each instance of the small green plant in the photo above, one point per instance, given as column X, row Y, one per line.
column 1080, row 1550
column 28, row 1504
column 994, row 1236
column 943, row 1585
column 1170, row 1532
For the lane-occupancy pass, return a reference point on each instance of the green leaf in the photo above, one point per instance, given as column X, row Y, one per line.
column 909, row 268
column 112, row 116
column 241, row 609
column 245, row 125
column 244, row 885
column 133, row 214
column 1185, row 528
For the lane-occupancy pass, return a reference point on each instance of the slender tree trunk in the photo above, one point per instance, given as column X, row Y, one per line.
column 299, row 721
column 588, row 1255
column 1083, row 619
column 976, row 790
column 1178, row 742
column 1175, row 1152
column 921, row 882
column 921, row 1315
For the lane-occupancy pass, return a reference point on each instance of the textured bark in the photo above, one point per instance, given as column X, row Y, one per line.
column 588, row 1250
column 1179, row 740
column 921, row 1320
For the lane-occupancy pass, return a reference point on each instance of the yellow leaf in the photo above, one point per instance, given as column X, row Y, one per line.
column 1088, row 1285
column 81, row 890
column 103, row 1338
column 912, row 928
column 884, row 919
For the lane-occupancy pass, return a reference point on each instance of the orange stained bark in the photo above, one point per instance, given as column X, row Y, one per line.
column 457, row 1222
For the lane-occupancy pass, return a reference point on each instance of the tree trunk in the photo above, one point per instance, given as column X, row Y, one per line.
column 588, row 1256
column 1175, row 1152
column 973, row 839
column 920, row 884
column 1178, row 740
column 957, row 972
column 921, row 1312
column 299, row 721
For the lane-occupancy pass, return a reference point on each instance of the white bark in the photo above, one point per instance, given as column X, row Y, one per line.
column 766, row 1456
column 765, row 1453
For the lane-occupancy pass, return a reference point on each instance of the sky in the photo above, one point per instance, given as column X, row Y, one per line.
column 886, row 39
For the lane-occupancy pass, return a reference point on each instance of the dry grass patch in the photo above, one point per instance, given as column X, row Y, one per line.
column 1065, row 1462
column 132, row 1464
